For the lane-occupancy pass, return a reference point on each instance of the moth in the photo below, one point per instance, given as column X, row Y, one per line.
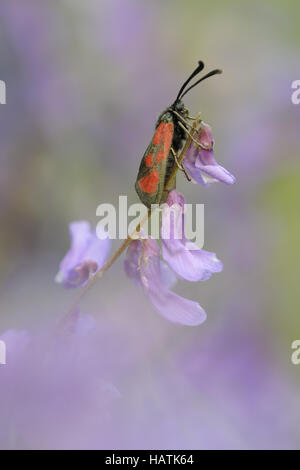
column 171, row 131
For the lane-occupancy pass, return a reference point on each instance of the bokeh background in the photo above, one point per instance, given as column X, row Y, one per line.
column 85, row 83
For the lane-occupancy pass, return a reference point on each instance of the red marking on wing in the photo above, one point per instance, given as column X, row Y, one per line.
column 163, row 137
column 149, row 159
column 158, row 134
column 149, row 183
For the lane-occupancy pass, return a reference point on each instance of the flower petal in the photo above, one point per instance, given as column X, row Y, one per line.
column 167, row 276
column 188, row 262
column 131, row 262
column 184, row 257
column 201, row 164
column 207, row 164
column 80, row 237
column 144, row 266
column 87, row 255
column 177, row 309
column 204, row 135
column 172, row 306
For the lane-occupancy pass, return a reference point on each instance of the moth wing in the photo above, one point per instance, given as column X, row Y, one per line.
column 151, row 176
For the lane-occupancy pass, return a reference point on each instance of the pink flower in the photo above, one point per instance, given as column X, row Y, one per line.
column 183, row 256
column 201, row 163
column 85, row 257
column 144, row 266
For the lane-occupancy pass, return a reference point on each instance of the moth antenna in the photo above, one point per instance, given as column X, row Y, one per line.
column 199, row 68
column 210, row 74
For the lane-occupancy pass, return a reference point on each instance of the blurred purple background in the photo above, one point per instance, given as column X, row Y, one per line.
column 85, row 83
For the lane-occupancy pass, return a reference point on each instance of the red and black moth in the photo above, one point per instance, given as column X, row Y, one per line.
column 171, row 131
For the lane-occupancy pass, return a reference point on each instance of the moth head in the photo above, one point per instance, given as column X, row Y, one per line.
column 180, row 108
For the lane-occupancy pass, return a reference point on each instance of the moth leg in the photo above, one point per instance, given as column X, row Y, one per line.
column 191, row 118
column 194, row 140
column 182, row 119
column 187, row 124
column 180, row 166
